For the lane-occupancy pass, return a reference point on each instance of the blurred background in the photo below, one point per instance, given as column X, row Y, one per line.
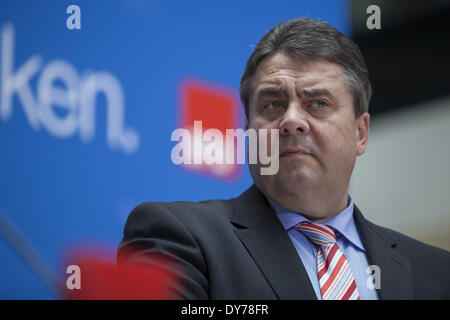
column 88, row 107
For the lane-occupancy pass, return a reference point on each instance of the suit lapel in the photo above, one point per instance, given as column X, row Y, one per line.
column 395, row 269
column 269, row 245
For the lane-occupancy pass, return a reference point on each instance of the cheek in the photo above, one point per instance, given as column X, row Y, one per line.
column 260, row 123
column 335, row 142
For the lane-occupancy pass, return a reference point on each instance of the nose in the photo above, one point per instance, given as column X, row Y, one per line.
column 294, row 121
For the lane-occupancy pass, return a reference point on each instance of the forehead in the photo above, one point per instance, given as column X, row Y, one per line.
column 283, row 70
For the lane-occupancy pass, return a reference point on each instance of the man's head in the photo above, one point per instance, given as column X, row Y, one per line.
column 308, row 80
column 310, row 39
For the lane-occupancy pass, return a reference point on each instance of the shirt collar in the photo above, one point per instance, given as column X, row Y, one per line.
column 343, row 222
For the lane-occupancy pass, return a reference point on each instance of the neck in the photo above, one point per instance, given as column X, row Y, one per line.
column 315, row 206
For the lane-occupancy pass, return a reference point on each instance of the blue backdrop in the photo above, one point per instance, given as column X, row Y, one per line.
column 86, row 115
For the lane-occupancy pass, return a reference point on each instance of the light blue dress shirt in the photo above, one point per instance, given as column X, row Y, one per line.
column 347, row 239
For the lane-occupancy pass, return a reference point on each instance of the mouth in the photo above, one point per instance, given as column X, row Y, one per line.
column 293, row 152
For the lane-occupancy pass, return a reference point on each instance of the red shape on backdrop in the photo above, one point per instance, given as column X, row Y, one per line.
column 213, row 106
column 218, row 108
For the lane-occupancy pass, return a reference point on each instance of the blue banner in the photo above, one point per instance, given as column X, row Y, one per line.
column 90, row 93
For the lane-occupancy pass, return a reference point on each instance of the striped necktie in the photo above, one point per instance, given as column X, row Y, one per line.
column 335, row 276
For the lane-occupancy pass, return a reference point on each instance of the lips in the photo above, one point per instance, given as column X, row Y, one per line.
column 293, row 152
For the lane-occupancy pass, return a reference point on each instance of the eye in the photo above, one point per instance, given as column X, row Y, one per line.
column 320, row 104
column 272, row 105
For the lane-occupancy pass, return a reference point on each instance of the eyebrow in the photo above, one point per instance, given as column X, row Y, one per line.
column 270, row 91
column 308, row 93
column 313, row 93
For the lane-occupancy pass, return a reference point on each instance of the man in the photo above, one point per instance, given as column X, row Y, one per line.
column 296, row 234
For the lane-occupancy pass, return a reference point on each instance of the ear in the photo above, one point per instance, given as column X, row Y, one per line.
column 363, row 123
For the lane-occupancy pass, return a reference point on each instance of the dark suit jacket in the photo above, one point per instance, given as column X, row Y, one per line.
column 238, row 249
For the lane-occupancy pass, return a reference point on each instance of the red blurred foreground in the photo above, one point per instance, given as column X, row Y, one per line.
column 92, row 275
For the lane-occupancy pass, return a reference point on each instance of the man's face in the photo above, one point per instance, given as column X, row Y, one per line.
column 320, row 137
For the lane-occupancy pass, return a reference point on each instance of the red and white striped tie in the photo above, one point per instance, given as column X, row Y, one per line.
column 335, row 276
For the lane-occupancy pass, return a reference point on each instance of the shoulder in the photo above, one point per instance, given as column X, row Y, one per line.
column 177, row 230
column 406, row 243
column 178, row 214
column 421, row 255
column 178, row 207
column 184, row 209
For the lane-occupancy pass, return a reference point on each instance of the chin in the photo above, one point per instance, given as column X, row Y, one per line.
column 290, row 180
column 295, row 173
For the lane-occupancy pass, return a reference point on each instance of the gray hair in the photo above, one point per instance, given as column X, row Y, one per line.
column 311, row 39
